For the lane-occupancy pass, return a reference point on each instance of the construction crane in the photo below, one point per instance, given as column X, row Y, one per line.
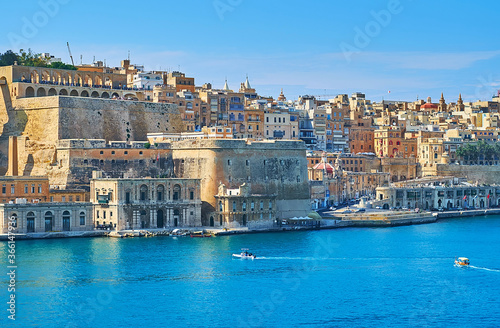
column 70, row 55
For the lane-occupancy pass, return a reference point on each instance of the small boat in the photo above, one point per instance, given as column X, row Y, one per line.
column 245, row 255
column 462, row 261
column 200, row 234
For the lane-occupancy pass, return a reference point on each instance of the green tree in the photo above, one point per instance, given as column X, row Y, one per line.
column 62, row 65
column 32, row 59
column 8, row 58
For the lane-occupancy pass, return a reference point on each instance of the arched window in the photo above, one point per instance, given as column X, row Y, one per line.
column 144, row 192
column 234, row 206
column 261, row 205
column 48, row 221
column 66, row 217
column 82, row 218
column 30, row 222
column 160, row 192
column 177, row 192
column 244, row 206
column 220, row 206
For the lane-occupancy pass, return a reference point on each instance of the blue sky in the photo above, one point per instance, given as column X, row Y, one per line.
column 408, row 47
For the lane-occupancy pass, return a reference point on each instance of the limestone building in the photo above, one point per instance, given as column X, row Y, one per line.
column 240, row 208
column 47, row 217
column 145, row 203
column 439, row 195
column 268, row 167
column 70, row 163
column 48, row 105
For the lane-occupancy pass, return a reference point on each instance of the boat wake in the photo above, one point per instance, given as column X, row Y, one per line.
column 485, row 269
column 286, row 258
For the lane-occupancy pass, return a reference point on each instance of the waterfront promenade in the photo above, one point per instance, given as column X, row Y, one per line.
column 330, row 220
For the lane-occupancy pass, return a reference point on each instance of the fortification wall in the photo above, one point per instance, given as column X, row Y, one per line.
column 45, row 120
column 278, row 167
column 115, row 120
column 488, row 174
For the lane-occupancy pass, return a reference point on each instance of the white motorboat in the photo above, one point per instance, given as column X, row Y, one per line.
column 245, row 255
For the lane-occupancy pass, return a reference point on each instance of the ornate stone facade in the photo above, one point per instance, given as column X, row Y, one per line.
column 146, row 203
column 240, row 208
column 47, row 217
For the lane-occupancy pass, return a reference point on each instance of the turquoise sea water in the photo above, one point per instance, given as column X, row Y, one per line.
column 355, row 277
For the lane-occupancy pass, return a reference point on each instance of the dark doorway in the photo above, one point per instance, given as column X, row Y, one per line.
column 176, row 218
column 159, row 219
column 66, row 221
column 212, row 221
column 30, row 222
column 48, row 221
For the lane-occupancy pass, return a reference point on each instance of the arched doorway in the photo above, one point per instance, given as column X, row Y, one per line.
column 30, row 92
column 212, row 221
column 52, row 92
column 40, row 92
column 440, row 203
column 105, row 95
column 449, row 205
column 426, row 205
column 30, row 222
column 176, row 218
column 66, row 221
column 48, row 221
column 73, row 93
column 159, row 219
column 95, row 94
column 244, row 220
column 481, row 203
column 63, row 92
column 220, row 220
column 84, row 93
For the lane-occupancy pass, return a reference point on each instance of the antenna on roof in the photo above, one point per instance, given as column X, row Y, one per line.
column 129, row 55
column 81, row 59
